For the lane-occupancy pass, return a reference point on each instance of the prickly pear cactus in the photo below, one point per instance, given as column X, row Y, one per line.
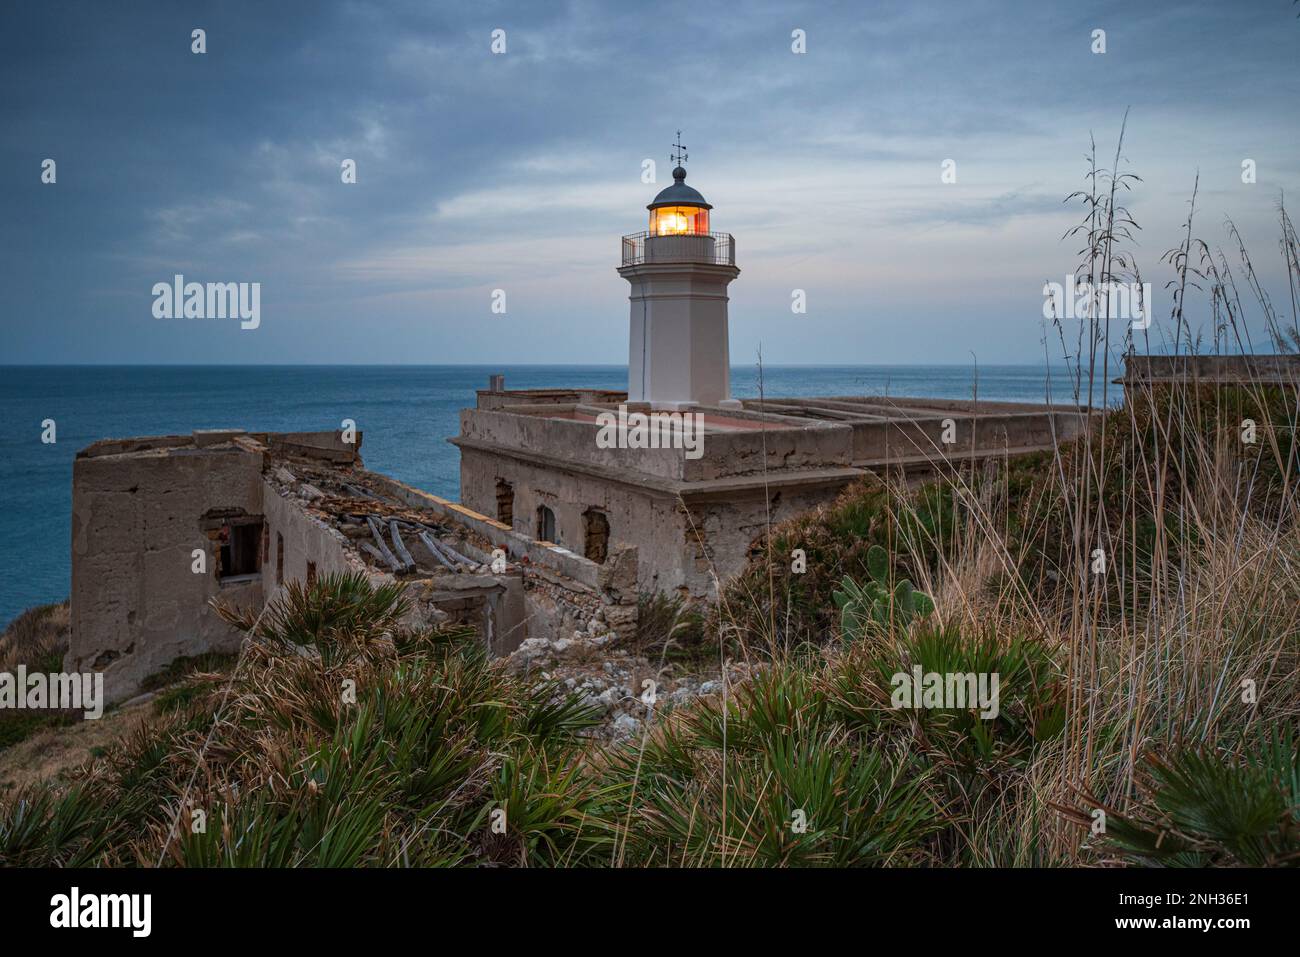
column 873, row 605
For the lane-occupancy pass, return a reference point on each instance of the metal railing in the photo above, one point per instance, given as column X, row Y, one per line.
column 718, row 249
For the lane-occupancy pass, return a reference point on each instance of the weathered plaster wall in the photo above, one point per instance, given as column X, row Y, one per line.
column 818, row 445
column 743, row 480
column 306, row 539
column 670, row 553
column 731, row 526
column 136, row 603
column 556, row 609
column 1276, row 369
column 564, row 440
column 651, row 522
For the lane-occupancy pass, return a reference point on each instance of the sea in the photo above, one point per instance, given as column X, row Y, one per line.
column 406, row 413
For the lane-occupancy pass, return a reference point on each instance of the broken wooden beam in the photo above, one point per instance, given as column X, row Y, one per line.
column 437, row 552
column 457, row 556
column 399, row 546
column 384, row 550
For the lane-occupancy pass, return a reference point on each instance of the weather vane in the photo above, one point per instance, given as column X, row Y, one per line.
column 679, row 154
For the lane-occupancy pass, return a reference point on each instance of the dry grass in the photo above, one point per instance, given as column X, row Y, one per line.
column 49, row 755
column 38, row 635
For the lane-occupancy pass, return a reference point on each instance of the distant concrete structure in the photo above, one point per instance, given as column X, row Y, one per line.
column 1252, row 369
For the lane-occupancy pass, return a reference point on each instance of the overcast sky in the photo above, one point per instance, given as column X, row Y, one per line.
column 520, row 171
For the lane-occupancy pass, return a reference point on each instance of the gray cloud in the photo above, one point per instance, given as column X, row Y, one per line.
column 521, row 171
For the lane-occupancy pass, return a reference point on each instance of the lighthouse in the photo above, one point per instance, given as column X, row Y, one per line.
column 678, row 353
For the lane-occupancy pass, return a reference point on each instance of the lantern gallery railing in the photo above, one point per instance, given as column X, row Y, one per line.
column 718, row 249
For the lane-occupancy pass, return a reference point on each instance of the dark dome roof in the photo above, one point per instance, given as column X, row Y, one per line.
column 679, row 194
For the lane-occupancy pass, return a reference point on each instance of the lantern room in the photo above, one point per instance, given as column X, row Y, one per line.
column 679, row 210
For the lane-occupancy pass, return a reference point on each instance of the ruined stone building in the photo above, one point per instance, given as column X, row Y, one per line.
column 163, row 526
column 557, row 529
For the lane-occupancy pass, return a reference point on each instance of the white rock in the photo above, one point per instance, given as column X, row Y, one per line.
column 609, row 698
column 533, row 645
column 625, row 725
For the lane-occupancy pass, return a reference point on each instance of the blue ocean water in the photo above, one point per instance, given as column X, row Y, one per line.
column 406, row 413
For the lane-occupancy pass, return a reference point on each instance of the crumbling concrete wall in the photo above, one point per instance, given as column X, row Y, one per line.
column 296, row 540
column 564, row 434
column 814, row 445
column 506, row 616
column 694, row 520
column 494, row 605
column 556, row 609
column 137, row 518
column 721, row 531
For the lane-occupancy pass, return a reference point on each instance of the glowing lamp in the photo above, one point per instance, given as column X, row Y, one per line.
column 679, row 210
column 679, row 221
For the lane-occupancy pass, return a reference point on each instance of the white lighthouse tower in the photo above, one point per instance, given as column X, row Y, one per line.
column 679, row 271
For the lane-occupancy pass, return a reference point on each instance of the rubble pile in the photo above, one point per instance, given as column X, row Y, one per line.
column 632, row 690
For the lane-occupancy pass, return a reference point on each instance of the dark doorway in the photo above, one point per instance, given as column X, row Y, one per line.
column 241, row 549
column 595, row 542
column 546, row 530
column 505, row 503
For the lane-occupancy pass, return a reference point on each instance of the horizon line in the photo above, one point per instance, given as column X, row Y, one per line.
column 517, row 365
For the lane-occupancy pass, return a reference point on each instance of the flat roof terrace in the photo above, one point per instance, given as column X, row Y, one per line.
column 710, row 422
column 822, row 439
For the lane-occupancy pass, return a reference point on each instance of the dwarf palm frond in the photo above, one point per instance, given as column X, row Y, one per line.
column 1201, row 808
column 341, row 613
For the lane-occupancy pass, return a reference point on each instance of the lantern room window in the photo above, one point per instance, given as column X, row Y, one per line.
column 679, row 221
